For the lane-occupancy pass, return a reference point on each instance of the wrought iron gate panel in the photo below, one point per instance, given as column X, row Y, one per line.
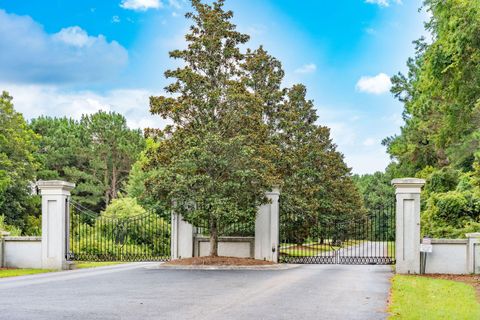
column 94, row 237
column 368, row 238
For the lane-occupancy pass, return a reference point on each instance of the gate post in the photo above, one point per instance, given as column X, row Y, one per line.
column 267, row 228
column 407, row 236
column 55, row 222
column 181, row 241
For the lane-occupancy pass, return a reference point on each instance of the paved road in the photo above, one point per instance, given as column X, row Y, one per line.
column 139, row 292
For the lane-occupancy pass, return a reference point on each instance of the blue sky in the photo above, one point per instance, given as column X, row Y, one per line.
column 71, row 57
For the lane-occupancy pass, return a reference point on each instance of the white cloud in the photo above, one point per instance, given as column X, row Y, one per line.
column 29, row 54
column 342, row 133
column 35, row 100
column 369, row 142
column 383, row 3
column 115, row 19
column 308, row 68
column 74, row 36
column 175, row 4
column 376, row 85
column 141, row 5
column 367, row 161
column 395, row 119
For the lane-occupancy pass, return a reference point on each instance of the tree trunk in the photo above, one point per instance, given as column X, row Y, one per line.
column 213, row 239
column 113, row 187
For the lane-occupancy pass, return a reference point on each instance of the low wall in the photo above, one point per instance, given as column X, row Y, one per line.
column 240, row 247
column 22, row 252
column 449, row 256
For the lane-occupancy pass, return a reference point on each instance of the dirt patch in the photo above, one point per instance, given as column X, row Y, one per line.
column 217, row 261
column 473, row 280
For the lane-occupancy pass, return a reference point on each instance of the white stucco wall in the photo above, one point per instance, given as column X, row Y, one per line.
column 23, row 252
column 477, row 258
column 449, row 256
column 240, row 247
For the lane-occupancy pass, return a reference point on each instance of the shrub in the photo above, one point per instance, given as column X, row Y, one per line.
column 14, row 231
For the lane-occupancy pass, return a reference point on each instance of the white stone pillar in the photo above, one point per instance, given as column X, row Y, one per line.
column 267, row 228
column 55, row 222
column 473, row 253
column 2, row 247
column 181, row 238
column 407, row 244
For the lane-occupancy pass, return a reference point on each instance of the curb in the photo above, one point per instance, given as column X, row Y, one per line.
column 275, row 267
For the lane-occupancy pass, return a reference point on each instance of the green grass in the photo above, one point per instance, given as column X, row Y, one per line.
column 91, row 264
column 312, row 249
column 391, row 248
column 427, row 298
column 4, row 273
column 308, row 250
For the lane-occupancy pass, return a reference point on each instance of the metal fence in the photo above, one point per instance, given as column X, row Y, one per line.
column 95, row 237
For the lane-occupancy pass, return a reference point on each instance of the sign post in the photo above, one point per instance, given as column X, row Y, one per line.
column 425, row 248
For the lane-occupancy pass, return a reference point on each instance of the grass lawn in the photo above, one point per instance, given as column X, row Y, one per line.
column 91, row 264
column 4, row 273
column 313, row 249
column 426, row 298
column 301, row 251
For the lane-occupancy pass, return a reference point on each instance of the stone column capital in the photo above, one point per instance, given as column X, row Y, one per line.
column 274, row 193
column 55, row 187
column 408, row 185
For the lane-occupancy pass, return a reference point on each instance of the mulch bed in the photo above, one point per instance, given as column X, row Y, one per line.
column 473, row 280
column 217, row 261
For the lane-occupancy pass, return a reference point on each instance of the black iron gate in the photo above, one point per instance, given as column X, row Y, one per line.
column 368, row 238
column 95, row 237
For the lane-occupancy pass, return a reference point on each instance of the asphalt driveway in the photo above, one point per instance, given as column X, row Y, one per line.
column 139, row 292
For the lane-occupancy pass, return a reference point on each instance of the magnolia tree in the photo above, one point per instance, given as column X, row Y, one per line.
column 212, row 161
column 236, row 133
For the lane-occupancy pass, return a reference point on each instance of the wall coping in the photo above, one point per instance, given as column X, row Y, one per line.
column 226, row 239
column 473, row 235
column 449, row 241
column 4, row 234
column 23, row 238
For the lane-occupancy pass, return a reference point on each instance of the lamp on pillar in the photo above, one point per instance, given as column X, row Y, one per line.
column 55, row 201
column 407, row 242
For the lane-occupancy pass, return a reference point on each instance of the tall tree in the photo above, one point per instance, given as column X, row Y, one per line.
column 114, row 148
column 96, row 153
column 212, row 161
column 317, row 184
column 17, row 164
column 441, row 137
column 441, row 91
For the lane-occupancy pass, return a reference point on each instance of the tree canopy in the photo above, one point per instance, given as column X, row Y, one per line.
column 17, row 164
column 441, row 137
column 236, row 133
column 96, row 152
